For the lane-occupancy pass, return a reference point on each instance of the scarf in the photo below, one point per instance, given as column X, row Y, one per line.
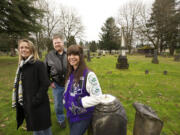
column 18, row 82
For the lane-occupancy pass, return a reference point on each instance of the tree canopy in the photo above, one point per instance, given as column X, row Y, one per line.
column 19, row 17
column 110, row 35
column 164, row 24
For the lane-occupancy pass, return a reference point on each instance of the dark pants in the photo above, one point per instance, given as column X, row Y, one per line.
column 79, row 128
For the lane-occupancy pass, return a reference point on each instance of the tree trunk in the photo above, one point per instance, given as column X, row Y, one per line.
column 171, row 50
column 12, row 52
column 13, row 46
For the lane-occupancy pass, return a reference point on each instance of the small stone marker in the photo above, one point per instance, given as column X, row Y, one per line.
column 165, row 72
column 146, row 71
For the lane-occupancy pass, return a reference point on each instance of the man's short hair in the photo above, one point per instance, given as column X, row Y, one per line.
column 58, row 36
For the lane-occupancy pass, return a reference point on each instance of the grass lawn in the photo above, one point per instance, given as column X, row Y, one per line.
column 161, row 92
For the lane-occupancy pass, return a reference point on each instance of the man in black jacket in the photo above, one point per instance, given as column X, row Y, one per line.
column 56, row 62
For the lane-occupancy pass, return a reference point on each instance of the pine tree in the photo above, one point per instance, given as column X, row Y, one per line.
column 71, row 41
column 19, row 18
column 163, row 24
column 110, row 35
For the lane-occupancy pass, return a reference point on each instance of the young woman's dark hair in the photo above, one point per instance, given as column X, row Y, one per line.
column 82, row 93
column 76, row 50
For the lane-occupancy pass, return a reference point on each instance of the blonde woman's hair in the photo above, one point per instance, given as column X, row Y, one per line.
column 32, row 48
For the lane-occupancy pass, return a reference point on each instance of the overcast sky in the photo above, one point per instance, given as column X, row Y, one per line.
column 94, row 13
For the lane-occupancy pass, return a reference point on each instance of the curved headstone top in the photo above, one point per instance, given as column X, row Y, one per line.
column 107, row 99
column 109, row 117
column 109, row 104
column 145, row 110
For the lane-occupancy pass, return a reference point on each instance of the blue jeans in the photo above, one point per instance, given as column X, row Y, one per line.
column 79, row 128
column 43, row 132
column 58, row 102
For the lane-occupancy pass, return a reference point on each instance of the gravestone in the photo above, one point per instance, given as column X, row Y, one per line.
column 122, row 62
column 146, row 71
column 177, row 58
column 109, row 117
column 146, row 121
column 165, row 72
column 155, row 57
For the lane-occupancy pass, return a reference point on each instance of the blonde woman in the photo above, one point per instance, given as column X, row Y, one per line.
column 30, row 96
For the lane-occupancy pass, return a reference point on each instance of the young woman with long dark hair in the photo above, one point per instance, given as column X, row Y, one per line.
column 82, row 91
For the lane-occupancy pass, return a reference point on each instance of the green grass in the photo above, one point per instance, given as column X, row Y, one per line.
column 161, row 92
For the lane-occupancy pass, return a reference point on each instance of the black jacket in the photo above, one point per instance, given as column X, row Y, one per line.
column 56, row 67
column 36, row 107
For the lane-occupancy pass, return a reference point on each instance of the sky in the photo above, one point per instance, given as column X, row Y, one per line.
column 94, row 13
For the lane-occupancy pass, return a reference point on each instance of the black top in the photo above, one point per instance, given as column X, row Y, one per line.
column 56, row 65
column 36, row 107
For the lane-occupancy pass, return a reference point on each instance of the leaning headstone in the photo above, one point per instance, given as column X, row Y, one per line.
column 109, row 117
column 146, row 121
column 155, row 57
column 88, row 56
column 177, row 57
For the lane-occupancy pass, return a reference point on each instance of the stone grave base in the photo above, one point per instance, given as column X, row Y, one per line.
column 122, row 63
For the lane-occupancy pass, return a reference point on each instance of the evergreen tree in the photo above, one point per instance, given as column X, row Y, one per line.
column 109, row 39
column 163, row 24
column 81, row 43
column 19, row 18
column 71, row 41
column 93, row 46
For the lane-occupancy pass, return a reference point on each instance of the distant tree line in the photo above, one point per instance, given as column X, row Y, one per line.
column 158, row 27
column 36, row 19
